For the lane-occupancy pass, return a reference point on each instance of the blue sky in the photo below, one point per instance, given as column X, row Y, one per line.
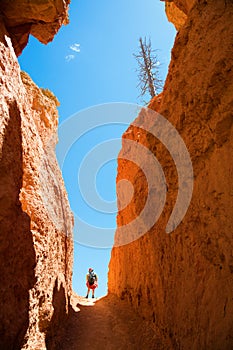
column 90, row 62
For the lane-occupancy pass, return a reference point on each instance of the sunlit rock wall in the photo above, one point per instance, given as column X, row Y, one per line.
column 182, row 282
column 42, row 19
column 35, row 219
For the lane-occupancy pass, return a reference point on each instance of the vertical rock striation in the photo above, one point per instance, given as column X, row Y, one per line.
column 36, row 244
column 182, row 282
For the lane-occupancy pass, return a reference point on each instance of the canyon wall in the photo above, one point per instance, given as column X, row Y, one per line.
column 175, row 15
column 35, row 219
column 182, row 281
column 42, row 19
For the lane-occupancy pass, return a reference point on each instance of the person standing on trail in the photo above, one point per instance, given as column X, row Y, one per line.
column 91, row 282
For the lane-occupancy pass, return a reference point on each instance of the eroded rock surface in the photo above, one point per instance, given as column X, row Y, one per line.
column 35, row 219
column 175, row 15
column 177, row 11
column 184, row 5
column 42, row 19
column 182, row 282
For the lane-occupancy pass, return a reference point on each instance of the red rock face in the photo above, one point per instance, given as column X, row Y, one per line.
column 175, row 15
column 42, row 19
column 35, row 218
column 182, row 282
column 183, row 5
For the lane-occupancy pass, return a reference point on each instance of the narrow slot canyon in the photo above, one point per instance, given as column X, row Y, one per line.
column 170, row 278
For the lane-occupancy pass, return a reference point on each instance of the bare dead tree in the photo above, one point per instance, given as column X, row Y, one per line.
column 148, row 69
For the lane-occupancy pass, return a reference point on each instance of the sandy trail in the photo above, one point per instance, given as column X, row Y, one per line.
column 107, row 323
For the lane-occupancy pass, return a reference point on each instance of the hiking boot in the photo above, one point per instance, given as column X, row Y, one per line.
column 93, row 296
column 86, row 296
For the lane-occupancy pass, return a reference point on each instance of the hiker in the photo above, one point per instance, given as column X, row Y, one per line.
column 91, row 282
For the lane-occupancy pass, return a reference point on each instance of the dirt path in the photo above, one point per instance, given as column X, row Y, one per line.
column 107, row 324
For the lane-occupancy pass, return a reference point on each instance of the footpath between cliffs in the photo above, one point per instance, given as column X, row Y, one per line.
column 106, row 323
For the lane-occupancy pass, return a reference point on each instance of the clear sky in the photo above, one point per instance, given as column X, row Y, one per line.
column 90, row 62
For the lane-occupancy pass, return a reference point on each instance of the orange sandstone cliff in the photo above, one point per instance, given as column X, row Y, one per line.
column 182, row 282
column 35, row 219
column 42, row 19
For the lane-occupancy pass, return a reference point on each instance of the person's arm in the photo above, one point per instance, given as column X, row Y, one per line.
column 96, row 277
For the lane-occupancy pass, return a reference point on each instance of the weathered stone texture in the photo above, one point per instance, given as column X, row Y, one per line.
column 35, row 220
column 182, row 282
column 42, row 19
